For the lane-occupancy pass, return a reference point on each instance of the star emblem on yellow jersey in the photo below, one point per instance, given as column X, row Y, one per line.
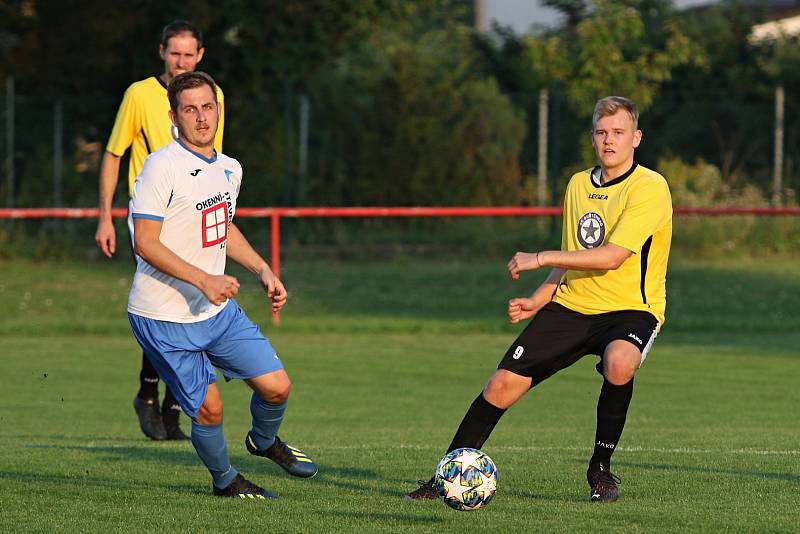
column 591, row 230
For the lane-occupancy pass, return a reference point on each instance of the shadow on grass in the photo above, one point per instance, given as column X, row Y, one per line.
column 788, row 477
column 83, row 478
column 358, row 480
column 156, row 453
column 525, row 494
column 349, row 478
column 385, row 517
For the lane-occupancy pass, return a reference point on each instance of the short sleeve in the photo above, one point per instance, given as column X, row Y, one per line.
column 648, row 208
column 152, row 191
column 238, row 178
column 126, row 125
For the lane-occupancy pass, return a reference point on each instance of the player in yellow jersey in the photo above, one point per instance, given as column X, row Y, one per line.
column 144, row 126
column 605, row 294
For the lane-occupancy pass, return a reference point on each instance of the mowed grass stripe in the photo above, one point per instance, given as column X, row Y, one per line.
column 711, row 443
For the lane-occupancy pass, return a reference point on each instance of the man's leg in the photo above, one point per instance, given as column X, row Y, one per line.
column 268, row 406
column 170, row 414
column 148, row 380
column 191, row 376
column 553, row 340
column 620, row 362
column 209, row 441
column 502, row 391
column 146, row 402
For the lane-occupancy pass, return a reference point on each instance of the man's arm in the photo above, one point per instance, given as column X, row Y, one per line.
column 125, row 127
column 109, row 176
column 520, row 309
column 148, row 245
column 605, row 258
column 240, row 251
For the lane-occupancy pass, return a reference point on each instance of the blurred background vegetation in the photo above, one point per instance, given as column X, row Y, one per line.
column 404, row 102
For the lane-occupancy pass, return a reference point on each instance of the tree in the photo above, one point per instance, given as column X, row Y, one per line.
column 417, row 123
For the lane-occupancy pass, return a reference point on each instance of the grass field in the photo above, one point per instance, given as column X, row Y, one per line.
column 385, row 358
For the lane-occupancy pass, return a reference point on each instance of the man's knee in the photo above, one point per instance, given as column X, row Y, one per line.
column 210, row 412
column 279, row 392
column 620, row 366
column 619, row 376
column 505, row 388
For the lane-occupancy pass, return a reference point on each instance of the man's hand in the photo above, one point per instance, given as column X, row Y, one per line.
column 273, row 288
column 523, row 261
column 520, row 309
column 219, row 288
column 106, row 237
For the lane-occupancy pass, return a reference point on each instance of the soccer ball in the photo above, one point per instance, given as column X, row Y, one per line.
column 466, row 479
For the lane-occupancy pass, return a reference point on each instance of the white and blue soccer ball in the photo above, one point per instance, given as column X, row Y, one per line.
column 466, row 479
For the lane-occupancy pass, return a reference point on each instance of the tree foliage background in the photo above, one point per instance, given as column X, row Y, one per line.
column 407, row 104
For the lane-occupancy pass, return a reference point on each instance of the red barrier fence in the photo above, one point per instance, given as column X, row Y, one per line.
column 275, row 215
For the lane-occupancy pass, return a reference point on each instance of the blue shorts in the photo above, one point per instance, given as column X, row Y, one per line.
column 185, row 354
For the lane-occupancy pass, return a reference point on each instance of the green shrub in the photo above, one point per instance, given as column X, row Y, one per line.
column 701, row 185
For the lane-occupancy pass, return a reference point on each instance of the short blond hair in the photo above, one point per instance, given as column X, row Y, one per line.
column 611, row 105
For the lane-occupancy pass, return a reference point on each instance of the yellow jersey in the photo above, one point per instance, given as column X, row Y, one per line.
column 633, row 211
column 143, row 124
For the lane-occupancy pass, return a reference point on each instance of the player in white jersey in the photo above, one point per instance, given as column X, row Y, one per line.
column 181, row 306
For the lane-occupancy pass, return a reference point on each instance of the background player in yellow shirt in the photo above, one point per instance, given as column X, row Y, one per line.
column 605, row 294
column 143, row 125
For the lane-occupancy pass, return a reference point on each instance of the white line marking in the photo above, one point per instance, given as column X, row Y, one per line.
column 512, row 448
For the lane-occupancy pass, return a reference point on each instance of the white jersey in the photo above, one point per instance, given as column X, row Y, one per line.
column 195, row 198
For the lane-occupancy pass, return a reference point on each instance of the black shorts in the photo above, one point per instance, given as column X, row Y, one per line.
column 557, row 337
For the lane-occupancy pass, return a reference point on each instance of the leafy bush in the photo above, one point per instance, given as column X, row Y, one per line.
column 701, row 185
column 416, row 124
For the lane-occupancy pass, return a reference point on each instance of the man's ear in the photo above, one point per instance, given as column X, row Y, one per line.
column 637, row 138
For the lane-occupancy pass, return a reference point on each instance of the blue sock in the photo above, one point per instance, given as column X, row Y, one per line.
column 211, row 447
column 267, row 420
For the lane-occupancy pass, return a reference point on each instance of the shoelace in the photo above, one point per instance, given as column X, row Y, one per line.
column 252, row 488
column 243, row 485
column 282, row 452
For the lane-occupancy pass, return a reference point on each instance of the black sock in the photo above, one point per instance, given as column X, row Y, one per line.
column 170, row 410
column 477, row 424
column 148, row 380
column 612, row 408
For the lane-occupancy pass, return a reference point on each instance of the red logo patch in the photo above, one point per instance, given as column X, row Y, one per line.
column 215, row 224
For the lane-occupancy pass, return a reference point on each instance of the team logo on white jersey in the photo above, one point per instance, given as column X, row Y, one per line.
column 215, row 224
column 217, row 214
column 591, row 230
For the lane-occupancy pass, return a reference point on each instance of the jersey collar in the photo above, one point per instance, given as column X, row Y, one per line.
column 594, row 176
column 212, row 159
column 159, row 80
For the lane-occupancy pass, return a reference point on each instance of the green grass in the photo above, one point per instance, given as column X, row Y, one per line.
column 385, row 358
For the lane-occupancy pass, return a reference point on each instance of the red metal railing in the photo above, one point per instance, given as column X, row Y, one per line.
column 275, row 215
